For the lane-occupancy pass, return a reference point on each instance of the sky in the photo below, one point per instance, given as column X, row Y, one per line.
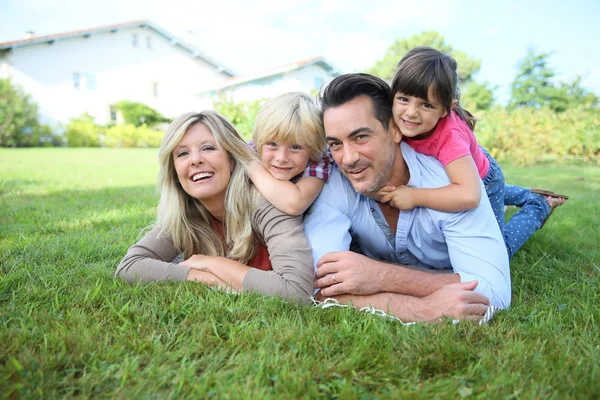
column 250, row 36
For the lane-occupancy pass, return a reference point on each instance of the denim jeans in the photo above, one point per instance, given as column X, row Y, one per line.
column 534, row 207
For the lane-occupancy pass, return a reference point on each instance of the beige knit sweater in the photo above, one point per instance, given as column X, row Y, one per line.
column 292, row 276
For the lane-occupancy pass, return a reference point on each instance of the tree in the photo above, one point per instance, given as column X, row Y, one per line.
column 242, row 115
column 386, row 67
column 139, row 113
column 535, row 86
column 475, row 96
column 18, row 114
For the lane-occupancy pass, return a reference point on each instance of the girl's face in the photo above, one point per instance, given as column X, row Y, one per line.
column 416, row 117
column 285, row 160
column 203, row 168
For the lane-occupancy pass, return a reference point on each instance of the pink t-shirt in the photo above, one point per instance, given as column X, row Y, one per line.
column 452, row 139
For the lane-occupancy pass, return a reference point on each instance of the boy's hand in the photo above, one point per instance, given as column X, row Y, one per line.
column 401, row 197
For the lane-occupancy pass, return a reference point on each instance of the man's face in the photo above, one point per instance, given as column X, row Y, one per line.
column 362, row 148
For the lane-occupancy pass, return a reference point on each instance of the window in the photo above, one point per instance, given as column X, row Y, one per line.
column 149, row 42
column 318, row 82
column 90, row 81
column 134, row 40
column 155, row 89
column 76, row 80
column 113, row 115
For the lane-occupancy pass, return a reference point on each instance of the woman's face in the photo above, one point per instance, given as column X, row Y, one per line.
column 203, row 168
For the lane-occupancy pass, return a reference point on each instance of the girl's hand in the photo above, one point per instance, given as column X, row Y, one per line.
column 385, row 190
column 401, row 198
column 201, row 262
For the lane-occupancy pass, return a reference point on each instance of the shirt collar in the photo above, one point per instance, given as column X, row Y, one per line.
column 414, row 167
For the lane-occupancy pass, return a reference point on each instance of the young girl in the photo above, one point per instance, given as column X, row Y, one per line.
column 289, row 138
column 426, row 110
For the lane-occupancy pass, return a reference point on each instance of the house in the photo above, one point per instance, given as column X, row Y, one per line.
column 304, row 76
column 89, row 70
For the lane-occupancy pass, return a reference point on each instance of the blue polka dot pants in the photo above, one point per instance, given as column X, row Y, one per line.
column 533, row 211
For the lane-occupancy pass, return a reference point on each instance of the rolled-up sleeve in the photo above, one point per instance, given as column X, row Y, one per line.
column 151, row 260
column 292, row 275
column 477, row 252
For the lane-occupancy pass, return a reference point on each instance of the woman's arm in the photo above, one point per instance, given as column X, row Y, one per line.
column 207, row 278
column 292, row 276
column 463, row 193
column 291, row 198
column 223, row 271
column 150, row 260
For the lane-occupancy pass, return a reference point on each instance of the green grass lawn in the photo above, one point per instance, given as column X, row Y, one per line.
column 69, row 329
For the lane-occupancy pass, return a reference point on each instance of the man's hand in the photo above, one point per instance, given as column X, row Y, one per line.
column 457, row 301
column 345, row 272
column 401, row 197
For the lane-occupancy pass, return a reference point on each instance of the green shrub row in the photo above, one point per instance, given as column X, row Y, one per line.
column 83, row 132
column 520, row 136
column 241, row 115
column 527, row 135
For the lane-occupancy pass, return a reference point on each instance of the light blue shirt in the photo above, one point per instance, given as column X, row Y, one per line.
column 469, row 243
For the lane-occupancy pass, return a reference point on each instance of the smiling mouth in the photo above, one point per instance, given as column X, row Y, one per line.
column 356, row 171
column 410, row 124
column 202, row 176
column 282, row 168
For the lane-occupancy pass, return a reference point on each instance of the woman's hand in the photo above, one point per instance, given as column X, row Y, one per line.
column 202, row 262
column 207, row 278
column 229, row 271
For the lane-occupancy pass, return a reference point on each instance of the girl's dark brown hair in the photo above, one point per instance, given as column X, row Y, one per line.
column 424, row 68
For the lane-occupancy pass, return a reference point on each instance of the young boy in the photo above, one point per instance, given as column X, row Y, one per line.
column 290, row 140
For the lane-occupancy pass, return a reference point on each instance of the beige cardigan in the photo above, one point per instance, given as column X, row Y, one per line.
column 292, row 276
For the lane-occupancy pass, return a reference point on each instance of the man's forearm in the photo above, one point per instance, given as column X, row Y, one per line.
column 347, row 272
column 407, row 308
column 458, row 301
column 412, row 282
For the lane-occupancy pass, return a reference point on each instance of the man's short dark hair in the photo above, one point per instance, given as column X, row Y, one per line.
column 347, row 87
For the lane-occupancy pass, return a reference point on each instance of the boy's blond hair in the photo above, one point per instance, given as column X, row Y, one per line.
column 290, row 116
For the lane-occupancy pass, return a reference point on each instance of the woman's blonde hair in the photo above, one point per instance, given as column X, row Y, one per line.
column 290, row 116
column 184, row 218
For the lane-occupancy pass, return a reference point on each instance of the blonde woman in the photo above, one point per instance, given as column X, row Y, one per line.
column 209, row 211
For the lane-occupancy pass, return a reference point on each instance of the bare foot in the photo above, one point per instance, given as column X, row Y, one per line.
column 554, row 202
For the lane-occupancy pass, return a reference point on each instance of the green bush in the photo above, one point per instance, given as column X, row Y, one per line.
column 41, row 136
column 128, row 135
column 138, row 114
column 241, row 115
column 83, row 132
column 528, row 135
column 18, row 115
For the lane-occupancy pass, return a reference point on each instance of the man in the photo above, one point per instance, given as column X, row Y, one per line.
column 369, row 153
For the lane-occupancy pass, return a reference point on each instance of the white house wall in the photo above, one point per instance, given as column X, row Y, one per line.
column 120, row 70
column 302, row 79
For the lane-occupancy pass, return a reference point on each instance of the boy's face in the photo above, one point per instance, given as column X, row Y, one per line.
column 285, row 160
